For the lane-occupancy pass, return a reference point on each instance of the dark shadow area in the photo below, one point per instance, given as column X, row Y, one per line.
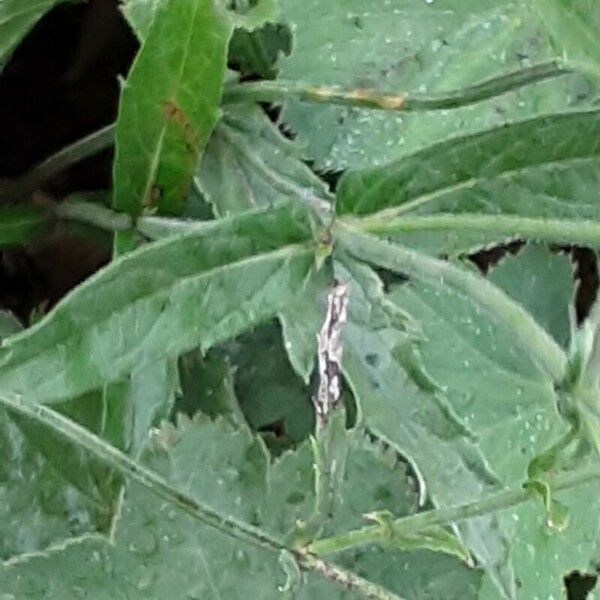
column 579, row 585
column 586, row 277
column 61, row 84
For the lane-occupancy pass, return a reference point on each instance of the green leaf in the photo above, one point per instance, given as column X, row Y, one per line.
column 407, row 46
column 147, row 397
column 573, row 25
column 436, row 539
column 122, row 414
column 544, row 168
column 257, row 52
column 17, row 17
column 159, row 552
column 254, row 14
column 207, row 385
column 489, row 299
column 302, row 319
column 22, row 224
column 249, row 163
column 542, row 281
column 489, row 380
column 169, row 105
column 140, row 15
column 38, row 506
column 420, row 425
column 510, row 406
column 557, row 515
column 435, row 178
column 542, row 558
column 293, row 575
column 162, row 300
column 272, row 397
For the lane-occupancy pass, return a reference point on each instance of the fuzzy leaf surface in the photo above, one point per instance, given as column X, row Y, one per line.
column 162, row 300
column 542, row 281
column 572, row 25
column 159, row 552
column 169, row 105
column 489, row 380
column 417, row 422
column 546, row 167
column 406, row 46
column 509, row 405
column 140, row 14
column 38, row 506
column 249, row 163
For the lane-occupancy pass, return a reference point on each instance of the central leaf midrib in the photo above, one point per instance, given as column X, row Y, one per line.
column 429, row 197
column 290, row 250
column 155, row 162
column 435, row 150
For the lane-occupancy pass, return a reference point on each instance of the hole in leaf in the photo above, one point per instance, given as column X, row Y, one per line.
column 586, row 276
column 488, row 258
column 295, row 498
column 579, row 585
column 277, row 428
column 372, row 359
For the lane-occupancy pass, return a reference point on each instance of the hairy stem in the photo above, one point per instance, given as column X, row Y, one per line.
column 453, row 514
column 59, row 162
column 152, row 227
column 585, row 233
column 532, row 337
column 279, row 91
column 347, row 579
column 201, row 512
column 94, row 214
column 116, row 459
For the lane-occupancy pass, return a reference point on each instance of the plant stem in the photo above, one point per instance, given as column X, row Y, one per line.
column 155, row 228
column 586, row 233
column 93, row 214
column 279, row 91
column 453, row 514
column 152, row 227
column 61, row 161
column 201, row 512
column 532, row 337
column 116, row 459
column 348, row 579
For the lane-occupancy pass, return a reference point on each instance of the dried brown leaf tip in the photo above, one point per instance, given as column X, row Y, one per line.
column 329, row 343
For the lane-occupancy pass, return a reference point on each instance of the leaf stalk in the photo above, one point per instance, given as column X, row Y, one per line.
column 280, row 91
column 585, row 233
column 374, row 534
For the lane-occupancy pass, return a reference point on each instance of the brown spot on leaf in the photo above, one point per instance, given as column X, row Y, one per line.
column 175, row 114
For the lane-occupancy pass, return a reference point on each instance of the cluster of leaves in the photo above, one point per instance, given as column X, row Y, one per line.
column 473, row 399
